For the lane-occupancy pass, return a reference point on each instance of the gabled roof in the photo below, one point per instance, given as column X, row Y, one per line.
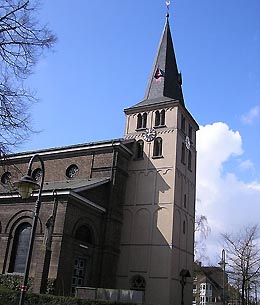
column 165, row 80
column 211, row 273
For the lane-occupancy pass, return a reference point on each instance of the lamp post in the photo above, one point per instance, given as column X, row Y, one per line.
column 26, row 185
column 184, row 274
column 222, row 263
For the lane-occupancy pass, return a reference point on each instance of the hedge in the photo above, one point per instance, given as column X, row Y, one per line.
column 14, row 282
column 12, row 298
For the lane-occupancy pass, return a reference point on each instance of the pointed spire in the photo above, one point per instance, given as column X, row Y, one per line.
column 165, row 81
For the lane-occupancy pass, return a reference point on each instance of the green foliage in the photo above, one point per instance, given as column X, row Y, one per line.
column 50, row 289
column 13, row 281
column 8, row 297
column 10, row 287
column 12, row 298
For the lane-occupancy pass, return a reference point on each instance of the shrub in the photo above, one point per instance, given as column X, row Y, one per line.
column 12, row 298
column 13, row 281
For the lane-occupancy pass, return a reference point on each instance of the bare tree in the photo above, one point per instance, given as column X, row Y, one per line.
column 22, row 40
column 243, row 259
column 202, row 231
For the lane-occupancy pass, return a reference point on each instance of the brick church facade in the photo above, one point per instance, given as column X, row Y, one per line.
column 116, row 213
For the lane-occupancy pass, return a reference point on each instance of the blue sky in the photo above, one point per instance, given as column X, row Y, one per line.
column 101, row 64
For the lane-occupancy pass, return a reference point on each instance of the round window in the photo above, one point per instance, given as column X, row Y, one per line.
column 6, row 177
column 72, row 171
column 37, row 174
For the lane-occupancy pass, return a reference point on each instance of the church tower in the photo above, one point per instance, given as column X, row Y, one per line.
column 157, row 239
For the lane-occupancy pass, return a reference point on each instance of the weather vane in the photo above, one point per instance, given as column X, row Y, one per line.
column 167, row 5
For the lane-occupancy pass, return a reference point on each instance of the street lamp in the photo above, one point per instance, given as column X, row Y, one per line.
column 184, row 274
column 26, row 185
column 222, row 263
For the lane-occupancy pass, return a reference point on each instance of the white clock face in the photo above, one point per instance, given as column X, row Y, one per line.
column 187, row 142
column 149, row 134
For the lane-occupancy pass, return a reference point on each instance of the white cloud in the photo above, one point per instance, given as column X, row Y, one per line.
column 246, row 165
column 251, row 115
column 254, row 186
column 229, row 203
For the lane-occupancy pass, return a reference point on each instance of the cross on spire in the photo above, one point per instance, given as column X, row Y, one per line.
column 167, row 6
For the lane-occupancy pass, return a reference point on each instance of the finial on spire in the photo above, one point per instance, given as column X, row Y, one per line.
column 167, row 5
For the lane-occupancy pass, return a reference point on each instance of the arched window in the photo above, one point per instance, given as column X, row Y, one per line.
column 183, row 123
column 189, row 160
column 184, row 227
column 162, row 118
column 139, row 149
column 157, row 148
column 190, row 132
column 20, row 248
column 185, row 201
column 144, row 120
column 157, row 118
column 183, row 153
column 139, row 121
column 84, row 234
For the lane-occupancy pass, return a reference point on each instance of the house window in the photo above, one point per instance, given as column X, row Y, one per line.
column 157, row 148
column 203, row 286
column 185, row 201
column 184, row 227
column 139, row 149
column 183, row 123
column 194, row 288
column 159, row 118
column 183, row 153
column 189, row 160
column 141, row 121
column 20, row 248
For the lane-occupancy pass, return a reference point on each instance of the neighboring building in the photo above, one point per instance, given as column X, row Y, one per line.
column 208, row 285
column 117, row 213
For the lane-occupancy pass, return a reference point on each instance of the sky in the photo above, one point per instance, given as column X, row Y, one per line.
column 101, row 64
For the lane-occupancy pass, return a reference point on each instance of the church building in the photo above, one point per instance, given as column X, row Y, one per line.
column 117, row 213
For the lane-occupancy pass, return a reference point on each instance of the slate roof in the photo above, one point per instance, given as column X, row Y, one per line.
column 213, row 274
column 165, row 80
column 75, row 185
column 72, row 148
